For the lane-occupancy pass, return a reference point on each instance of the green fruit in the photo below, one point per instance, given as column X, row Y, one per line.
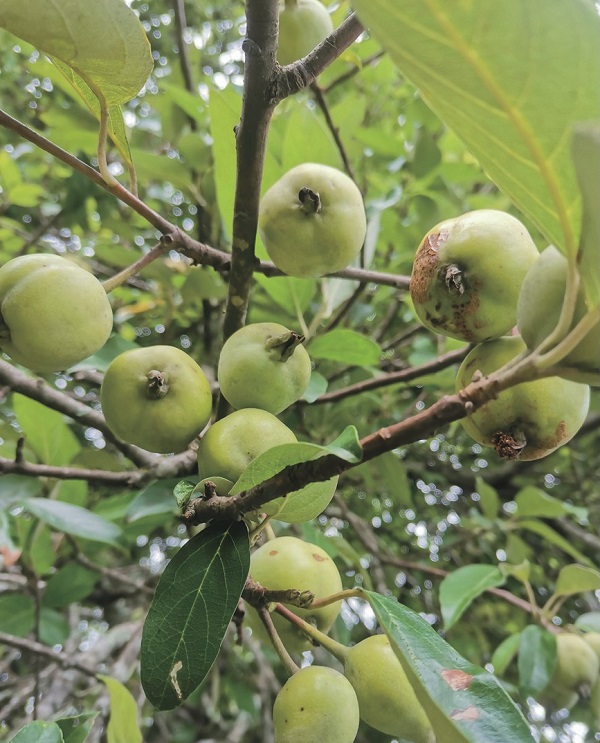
column 539, row 306
column 264, row 365
column 312, row 221
column 156, row 397
column 555, row 697
column 53, row 313
column 577, row 664
column 303, row 24
column 385, row 696
column 593, row 640
column 230, row 444
column 288, row 562
column 527, row 421
column 467, row 274
column 316, row 705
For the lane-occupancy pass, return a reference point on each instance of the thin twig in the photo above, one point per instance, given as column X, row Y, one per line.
column 31, row 646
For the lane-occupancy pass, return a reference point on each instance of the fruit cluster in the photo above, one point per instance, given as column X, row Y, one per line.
column 479, row 277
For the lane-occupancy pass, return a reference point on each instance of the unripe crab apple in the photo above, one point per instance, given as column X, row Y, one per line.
column 231, row 443
column 527, row 421
column 290, row 563
column 539, row 307
column 386, row 698
column 577, row 664
column 264, row 365
column 156, row 397
column 53, row 313
column 316, row 705
column 302, row 25
column 312, row 221
column 467, row 274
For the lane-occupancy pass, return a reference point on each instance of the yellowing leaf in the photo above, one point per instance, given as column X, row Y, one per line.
column 123, row 723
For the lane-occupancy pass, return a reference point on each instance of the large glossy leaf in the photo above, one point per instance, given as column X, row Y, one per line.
column 462, row 586
column 193, row 604
column 103, row 41
column 510, row 78
column 465, row 703
column 123, row 722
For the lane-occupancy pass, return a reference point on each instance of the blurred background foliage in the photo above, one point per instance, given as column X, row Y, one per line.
column 397, row 523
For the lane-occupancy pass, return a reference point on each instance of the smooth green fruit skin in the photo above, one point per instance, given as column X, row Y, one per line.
column 253, row 375
column 53, row 313
column 593, row 640
column 539, row 307
column 385, row 696
column 577, row 664
column 548, row 411
column 493, row 251
column 302, row 25
column 312, row 245
column 289, row 562
column 162, row 425
column 316, row 705
column 230, row 444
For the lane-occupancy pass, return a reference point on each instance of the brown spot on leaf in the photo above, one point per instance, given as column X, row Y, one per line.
column 457, row 680
column 469, row 713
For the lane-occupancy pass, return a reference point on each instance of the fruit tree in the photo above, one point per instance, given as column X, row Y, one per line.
column 299, row 369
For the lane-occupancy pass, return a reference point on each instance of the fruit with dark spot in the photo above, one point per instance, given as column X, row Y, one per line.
column 156, row 397
column 290, row 563
column 231, row 443
column 53, row 313
column 385, row 696
column 467, row 274
column 539, row 307
column 264, row 365
column 312, row 221
column 316, row 705
column 531, row 419
column 302, row 25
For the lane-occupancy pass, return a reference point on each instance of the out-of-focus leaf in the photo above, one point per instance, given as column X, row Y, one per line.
column 505, row 652
column 488, row 498
column 46, row 430
column 537, row 659
column 574, row 579
column 76, row 729
column 154, row 499
column 39, row 732
column 462, row 586
column 532, row 501
column 292, row 295
column 123, row 721
column 588, row 622
column 71, row 583
column 550, row 535
column 520, row 572
column 17, row 612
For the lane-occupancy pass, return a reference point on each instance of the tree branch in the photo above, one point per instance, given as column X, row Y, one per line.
column 31, row 646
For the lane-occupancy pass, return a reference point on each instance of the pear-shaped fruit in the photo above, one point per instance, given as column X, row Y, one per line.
column 312, row 221
column 467, row 274
column 577, row 664
column 316, row 705
column 529, row 420
column 289, row 562
column 230, row 444
column 539, row 307
column 264, row 365
column 53, row 313
column 302, row 25
column 156, row 397
column 386, row 699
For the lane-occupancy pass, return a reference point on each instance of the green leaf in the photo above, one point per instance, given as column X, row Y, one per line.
column 532, row 501
column 307, row 139
column 490, row 72
column 46, row 431
column 316, row 387
column 54, row 627
column 76, row 729
column 154, row 499
column 464, row 703
column 71, row 583
column 574, row 579
column 346, row 346
column 225, row 109
column 17, row 614
column 588, row 622
column 193, row 604
column 586, row 157
column 299, row 505
column 123, row 722
column 521, row 571
column 182, row 492
column 537, row 659
column 292, row 295
column 74, row 520
column 106, row 46
column 39, row 732
column 488, row 498
column 549, row 535
column 462, row 586
column 505, row 652
column 347, row 445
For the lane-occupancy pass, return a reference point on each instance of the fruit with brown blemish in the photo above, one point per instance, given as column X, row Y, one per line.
column 290, row 563
column 527, row 421
column 264, row 365
column 316, row 705
column 303, row 24
column 157, row 398
column 53, row 313
column 467, row 274
column 312, row 221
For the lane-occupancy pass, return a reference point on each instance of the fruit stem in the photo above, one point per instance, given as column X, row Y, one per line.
column 453, row 278
column 310, row 201
column 332, row 646
column 136, row 267
column 275, row 639
column 569, row 342
column 158, row 384
column 283, row 345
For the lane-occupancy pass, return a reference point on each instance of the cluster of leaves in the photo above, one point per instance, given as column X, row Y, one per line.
column 87, row 523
